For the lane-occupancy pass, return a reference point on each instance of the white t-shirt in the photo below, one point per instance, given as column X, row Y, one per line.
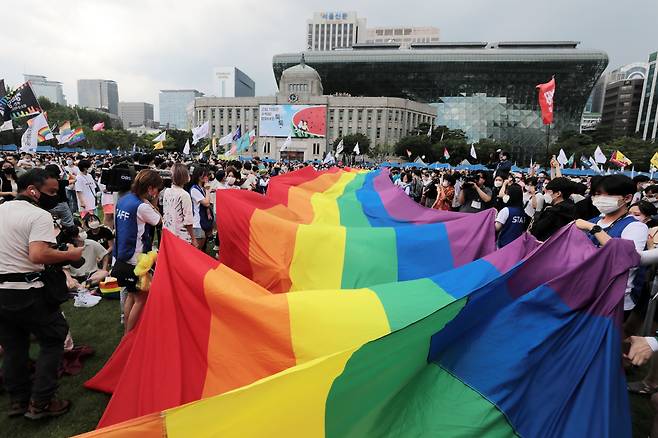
column 638, row 232
column 527, row 201
column 502, row 215
column 177, row 212
column 71, row 173
column 250, row 179
column 86, row 186
column 197, row 197
column 20, row 224
column 93, row 252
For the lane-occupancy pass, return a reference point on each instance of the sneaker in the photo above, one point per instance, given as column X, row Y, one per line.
column 17, row 409
column 53, row 408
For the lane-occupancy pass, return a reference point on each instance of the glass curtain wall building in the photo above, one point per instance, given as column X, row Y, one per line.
column 486, row 89
column 647, row 121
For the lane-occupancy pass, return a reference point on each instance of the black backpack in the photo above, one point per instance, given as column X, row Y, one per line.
column 206, row 216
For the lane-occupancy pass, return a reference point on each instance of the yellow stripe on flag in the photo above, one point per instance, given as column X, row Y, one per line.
column 158, row 145
column 654, row 160
column 317, row 262
column 362, row 319
column 302, row 389
column 324, row 204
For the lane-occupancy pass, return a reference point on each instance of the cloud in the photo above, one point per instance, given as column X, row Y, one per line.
column 148, row 45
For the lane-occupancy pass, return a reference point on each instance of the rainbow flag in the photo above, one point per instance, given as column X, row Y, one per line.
column 497, row 347
column 76, row 136
column 357, row 229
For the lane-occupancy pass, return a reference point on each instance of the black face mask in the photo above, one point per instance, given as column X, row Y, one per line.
column 47, row 202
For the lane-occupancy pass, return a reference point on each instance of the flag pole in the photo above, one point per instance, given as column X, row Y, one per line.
column 548, row 141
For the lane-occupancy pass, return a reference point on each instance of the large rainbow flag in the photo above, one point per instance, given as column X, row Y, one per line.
column 345, row 224
column 279, row 341
column 514, row 344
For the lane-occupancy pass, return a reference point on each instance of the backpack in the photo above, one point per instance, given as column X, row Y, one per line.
column 206, row 216
column 416, row 188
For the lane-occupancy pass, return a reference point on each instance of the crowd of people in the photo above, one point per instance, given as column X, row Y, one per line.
column 101, row 233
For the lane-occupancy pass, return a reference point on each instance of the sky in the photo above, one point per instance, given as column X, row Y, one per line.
column 149, row 45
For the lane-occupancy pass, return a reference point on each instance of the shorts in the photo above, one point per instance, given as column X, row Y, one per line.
column 108, row 209
column 125, row 275
column 85, row 213
column 199, row 233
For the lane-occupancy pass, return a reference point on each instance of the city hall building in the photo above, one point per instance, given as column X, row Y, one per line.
column 485, row 89
column 312, row 119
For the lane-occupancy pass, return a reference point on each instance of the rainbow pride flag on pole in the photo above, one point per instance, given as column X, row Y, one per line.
column 513, row 344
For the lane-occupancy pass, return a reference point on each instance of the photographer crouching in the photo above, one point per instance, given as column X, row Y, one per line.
column 30, row 294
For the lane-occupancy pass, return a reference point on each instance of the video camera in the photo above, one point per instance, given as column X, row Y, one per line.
column 65, row 237
column 119, row 177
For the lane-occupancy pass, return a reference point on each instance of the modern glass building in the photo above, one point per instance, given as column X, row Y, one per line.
column 174, row 106
column 486, row 89
column 647, row 121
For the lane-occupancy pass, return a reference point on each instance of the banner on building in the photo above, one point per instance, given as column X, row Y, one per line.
column 296, row 121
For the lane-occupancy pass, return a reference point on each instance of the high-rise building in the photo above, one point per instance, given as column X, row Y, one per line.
column 333, row 30
column 647, row 121
column 485, row 89
column 174, row 105
column 232, row 82
column 99, row 94
column 42, row 87
column 403, row 35
column 135, row 114
column 636, row 70
column 621, row 106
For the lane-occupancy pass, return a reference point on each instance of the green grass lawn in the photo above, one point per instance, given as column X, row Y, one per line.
column 99, row 327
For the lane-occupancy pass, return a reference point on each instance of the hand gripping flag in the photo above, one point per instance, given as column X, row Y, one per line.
column 546, row 94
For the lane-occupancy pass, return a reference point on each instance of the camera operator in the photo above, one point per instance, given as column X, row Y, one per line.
column 27, row 241
column 474, row 195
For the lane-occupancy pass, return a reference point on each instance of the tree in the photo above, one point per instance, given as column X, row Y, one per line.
column 350, row 140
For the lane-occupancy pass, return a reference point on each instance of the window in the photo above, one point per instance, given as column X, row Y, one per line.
column 221, row 113
column 379, row 132
column 266, row 147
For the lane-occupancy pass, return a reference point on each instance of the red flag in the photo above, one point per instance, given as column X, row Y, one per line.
column 408, row 153
column 446, row 155
column 99, row 126
column 546, row 93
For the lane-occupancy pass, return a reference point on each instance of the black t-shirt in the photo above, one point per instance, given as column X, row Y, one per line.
column 103, row 235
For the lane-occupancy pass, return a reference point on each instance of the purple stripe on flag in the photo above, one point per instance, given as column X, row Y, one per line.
column 401, row 207
column 476, row 229
column 505, row 258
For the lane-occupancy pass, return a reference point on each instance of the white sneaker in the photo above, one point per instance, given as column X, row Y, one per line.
column 86, row 300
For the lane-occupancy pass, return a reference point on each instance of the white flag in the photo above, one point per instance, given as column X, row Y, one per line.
column 186, row 148
column 286, row 143
column 562, row 158
column 473, row 154
column 329, row 159
column 357, row 151
column 7, row 126
column 161, row 137
column 429, row 132
column 599, row 157
column 134, row 147
column 29, row 139
column 339, row 148
column 227, row 139
column 200, row 132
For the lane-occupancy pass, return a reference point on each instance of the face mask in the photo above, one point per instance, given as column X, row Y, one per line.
column 548, row 199
column 498, row 184
column 505, row 199
column 651, row 199
column 445, row 183
column 69, row 162
column 230, row 180
column 606, row 204
column 82, row 235
column 47, row 202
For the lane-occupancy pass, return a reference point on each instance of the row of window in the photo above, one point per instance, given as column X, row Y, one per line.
column 328, row 36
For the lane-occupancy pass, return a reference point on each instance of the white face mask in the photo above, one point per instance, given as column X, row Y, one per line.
column 505, row 199
column 498, row 184
column 548, row 198
column 230, row 180
column 82, row 235
column 606, row 204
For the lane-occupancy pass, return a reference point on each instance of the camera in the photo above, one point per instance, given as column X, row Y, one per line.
column 65, row 237
column 119, row 177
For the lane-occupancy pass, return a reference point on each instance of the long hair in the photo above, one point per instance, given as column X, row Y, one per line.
column 146, row 179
